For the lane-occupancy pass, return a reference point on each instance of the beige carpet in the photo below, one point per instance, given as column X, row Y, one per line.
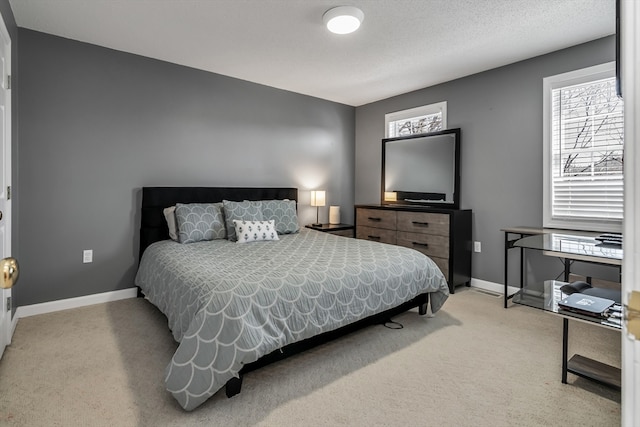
column 473, row 364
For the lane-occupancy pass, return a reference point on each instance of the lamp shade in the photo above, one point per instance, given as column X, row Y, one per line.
column 318, row 198
column 343, row 19
column 334, row 214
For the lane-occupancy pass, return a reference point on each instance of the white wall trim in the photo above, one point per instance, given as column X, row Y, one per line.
column 14, row 322
column 492, row 286
column 65, row 304
column 630, row 50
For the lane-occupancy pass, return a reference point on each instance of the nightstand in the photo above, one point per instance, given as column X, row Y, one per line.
column 345, row 230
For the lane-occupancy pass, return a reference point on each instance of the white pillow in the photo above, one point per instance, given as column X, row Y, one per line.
column 170, row 216
column 254, row 231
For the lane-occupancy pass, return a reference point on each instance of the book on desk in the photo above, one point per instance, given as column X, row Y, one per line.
column 586, row 305
column 610, row 239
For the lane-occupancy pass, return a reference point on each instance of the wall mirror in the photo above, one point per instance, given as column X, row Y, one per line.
column 422, row 169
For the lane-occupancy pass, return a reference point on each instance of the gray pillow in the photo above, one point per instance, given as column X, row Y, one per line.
column 283, row 213
column 247, row 210
column 200, row 221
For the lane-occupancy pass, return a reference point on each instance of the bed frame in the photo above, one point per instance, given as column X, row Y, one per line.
column 153, row 228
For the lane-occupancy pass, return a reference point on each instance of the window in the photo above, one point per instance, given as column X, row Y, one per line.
column 429, row 118
column 583, row 150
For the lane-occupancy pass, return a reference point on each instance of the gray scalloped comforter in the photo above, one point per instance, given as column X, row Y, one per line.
column 228, row 304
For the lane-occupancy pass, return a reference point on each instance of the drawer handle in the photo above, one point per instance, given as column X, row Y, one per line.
column 374, row 219
column 424, row 245
column 424, row 224
column 374, row 237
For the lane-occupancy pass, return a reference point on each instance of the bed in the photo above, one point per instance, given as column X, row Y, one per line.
column 234, row 306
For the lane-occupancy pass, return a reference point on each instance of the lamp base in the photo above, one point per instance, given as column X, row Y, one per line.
column 316, row 225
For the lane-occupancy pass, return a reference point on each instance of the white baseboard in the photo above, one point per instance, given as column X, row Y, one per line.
column 14, row 322
column 65, row 304
column 492, row 286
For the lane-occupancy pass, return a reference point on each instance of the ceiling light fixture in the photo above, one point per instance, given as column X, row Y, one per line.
column 343, row 19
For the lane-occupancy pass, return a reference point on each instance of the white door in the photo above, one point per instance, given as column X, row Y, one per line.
column 630, row 20
column 5, row 179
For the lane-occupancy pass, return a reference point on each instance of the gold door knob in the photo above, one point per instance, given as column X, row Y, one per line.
column 10, row 271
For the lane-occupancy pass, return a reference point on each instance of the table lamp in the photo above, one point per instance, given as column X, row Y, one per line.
column 390, row 196
column 317, row 200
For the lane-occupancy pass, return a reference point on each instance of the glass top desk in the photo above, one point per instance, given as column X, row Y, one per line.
column 564, row 244
column 545, row 296
column 573, row 246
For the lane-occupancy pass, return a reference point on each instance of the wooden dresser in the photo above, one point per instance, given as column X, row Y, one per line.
column 442, row 234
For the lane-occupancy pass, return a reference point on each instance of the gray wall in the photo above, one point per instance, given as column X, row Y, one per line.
column 500, row 114
column 95, row 125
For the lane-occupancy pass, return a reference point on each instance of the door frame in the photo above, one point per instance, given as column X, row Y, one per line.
column 630, row 58
column 8, row 328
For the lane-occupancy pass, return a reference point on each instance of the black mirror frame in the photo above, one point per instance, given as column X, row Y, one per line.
column 455, row 204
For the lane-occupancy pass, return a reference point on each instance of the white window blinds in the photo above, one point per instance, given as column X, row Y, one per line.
column 584, row 146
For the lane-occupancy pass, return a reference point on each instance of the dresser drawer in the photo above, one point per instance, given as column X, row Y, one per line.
column 376, row 234
column 424, row 222
column 429, row 244
column 378, row 218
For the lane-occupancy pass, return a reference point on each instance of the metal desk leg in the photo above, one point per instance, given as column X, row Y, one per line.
column 565, row 348
column 506, row 267
column 508, row 244
column 522, row 275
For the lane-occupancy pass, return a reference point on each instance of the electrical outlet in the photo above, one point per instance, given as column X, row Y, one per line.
column 477, row 247
column 87, row 256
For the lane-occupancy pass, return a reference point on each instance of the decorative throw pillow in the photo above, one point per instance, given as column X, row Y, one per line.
column 170, row 217
column 200, row 221
column 283, row 213
column 247, row 210
column 254, row 231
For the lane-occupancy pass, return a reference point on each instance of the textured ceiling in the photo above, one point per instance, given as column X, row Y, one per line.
column 402, row 45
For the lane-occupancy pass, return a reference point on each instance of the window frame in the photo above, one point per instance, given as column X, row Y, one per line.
column 584, row 75
column 438, row 107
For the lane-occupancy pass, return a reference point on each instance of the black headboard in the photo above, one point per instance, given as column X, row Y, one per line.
column 153, row 226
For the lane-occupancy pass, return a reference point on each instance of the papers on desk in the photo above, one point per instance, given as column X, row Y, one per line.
column 614, row 318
